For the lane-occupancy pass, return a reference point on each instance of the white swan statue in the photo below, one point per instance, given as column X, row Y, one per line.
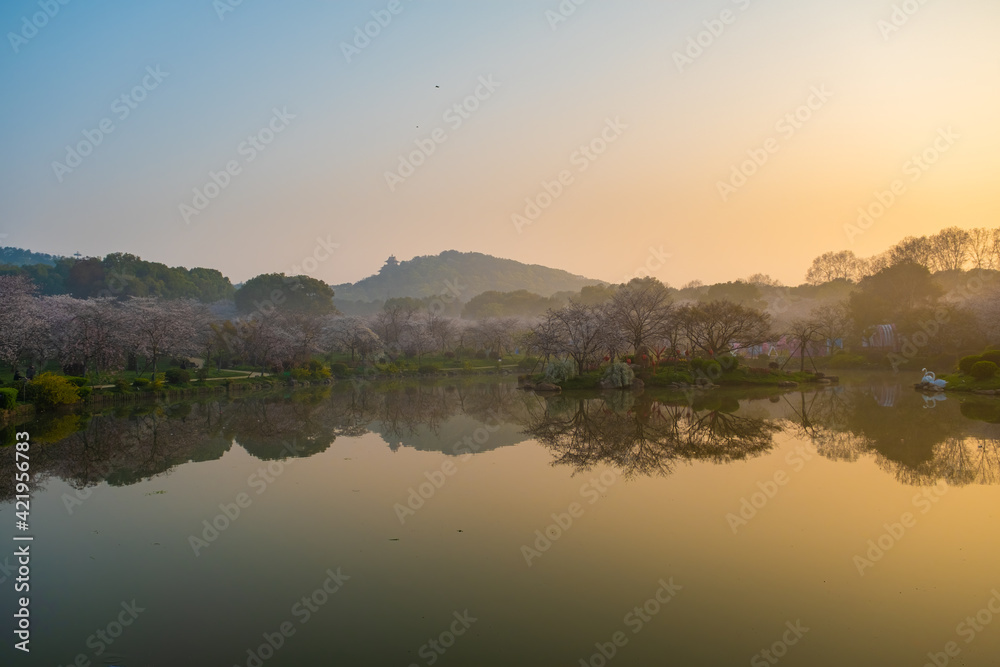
column 931, row 379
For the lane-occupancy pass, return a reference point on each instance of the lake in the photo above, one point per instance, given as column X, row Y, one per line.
column 465, row 522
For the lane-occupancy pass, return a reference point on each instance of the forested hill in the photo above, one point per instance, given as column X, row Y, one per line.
column 119, row 274
column 20, row 257
column 461, row 274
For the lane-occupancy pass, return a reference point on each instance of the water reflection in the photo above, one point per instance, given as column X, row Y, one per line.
column 647, row 434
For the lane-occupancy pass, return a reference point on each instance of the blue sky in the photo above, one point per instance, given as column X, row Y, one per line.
column 323, row 176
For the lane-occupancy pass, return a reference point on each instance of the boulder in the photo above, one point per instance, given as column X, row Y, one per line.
column 547, row 386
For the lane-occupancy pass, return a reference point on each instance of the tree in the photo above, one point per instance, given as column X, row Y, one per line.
column 395, row 317
column 577, row 331
column 495, row 334
column 763, row 280
column 889, row 294
column 950, row 249
column 162, row 327
column 352, row 334
column 85, row 334
column 442, row 329
column 831, row 266
column 721, row 327
column 642, row 310
column 277, row 293
column 983, row 246
column 21, row 322
column 912, row 250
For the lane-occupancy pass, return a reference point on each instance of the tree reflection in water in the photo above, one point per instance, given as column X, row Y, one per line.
column 645, row 436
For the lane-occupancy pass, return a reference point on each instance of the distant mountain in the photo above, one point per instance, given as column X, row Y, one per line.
column 463, row 274
column 19, row 257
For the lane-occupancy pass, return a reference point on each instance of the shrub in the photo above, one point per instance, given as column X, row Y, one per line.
column 619, row 375
column 300, row 374
column 76, row 381
column 559, row 370
column 965, row 364
column 729, row 362
column 480, row 354
column 49, row 390
column 8, row 399
column 141, row 383
column 318, row 371
column 340, row 370
column 706, row 368
column 429, row 369
column 983, row 370
column 177, row 376
column 201, row 374
column 449, row 354
column 84, row 392
column 992, row 355
column 121, row 385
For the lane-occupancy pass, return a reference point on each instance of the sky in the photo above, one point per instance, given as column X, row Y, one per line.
column 692, row 140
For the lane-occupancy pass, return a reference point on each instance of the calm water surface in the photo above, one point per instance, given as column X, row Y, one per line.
column 469, row 523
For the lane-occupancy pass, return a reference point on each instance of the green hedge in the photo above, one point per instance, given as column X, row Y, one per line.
column 965, row 364
column 983, row 370
column 8, row 399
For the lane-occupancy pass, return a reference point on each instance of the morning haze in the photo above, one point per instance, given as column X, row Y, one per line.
column 564, row 332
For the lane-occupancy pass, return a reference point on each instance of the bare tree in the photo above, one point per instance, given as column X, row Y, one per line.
column 642, row 310
column 950, row 249
column 721, row 327
column 577, row 331
column 833, row 266
column 983, row 246
column 912, row 250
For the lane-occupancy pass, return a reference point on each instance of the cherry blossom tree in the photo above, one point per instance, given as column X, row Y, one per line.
column 21, row 322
